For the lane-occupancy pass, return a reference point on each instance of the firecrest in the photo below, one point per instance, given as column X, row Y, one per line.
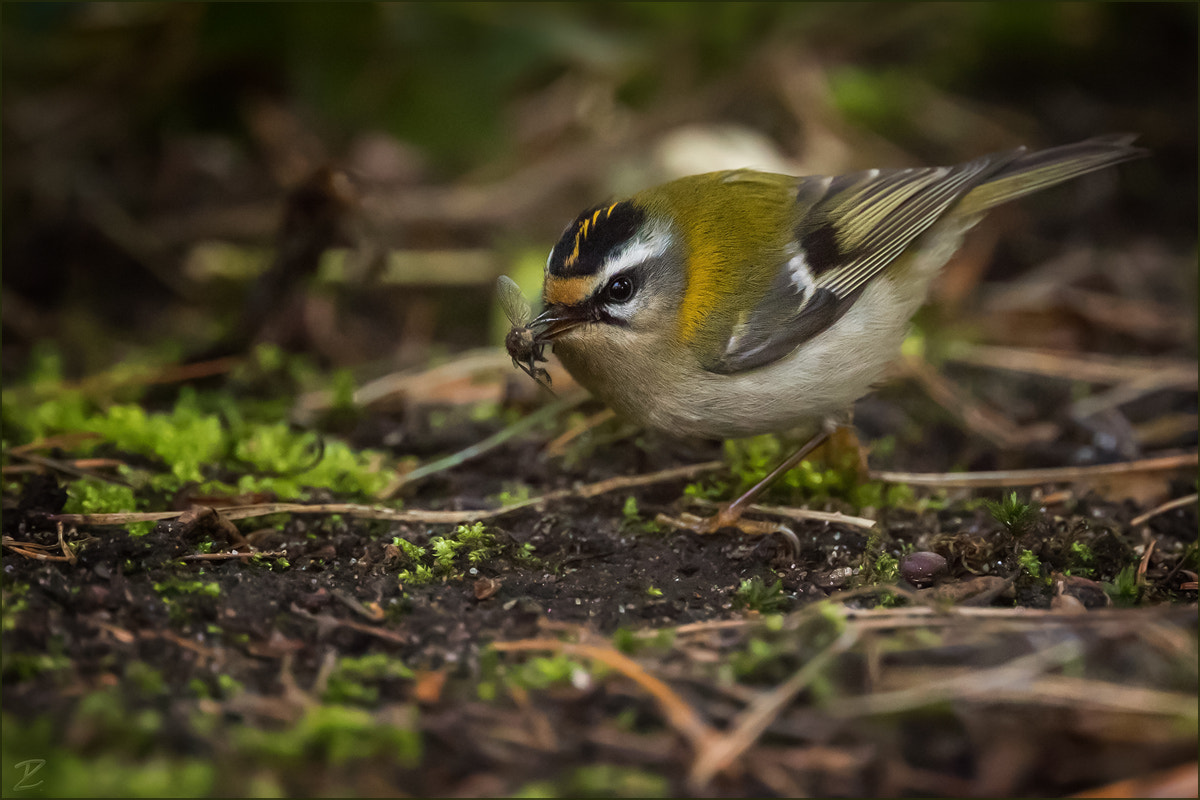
column 736, row 303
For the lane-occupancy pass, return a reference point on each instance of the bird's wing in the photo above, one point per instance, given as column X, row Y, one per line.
column 848, row 230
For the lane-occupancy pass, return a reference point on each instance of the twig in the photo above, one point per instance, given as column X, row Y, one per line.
column 1033, row 477
column 354, row 604
column 28, row 551
column 976, row 416
column 721, row 750
column 42, row 552
column 1118, row 395
column 68, row 468
column 412, row 516
column 62, row 543
column 234, row 554
column 799, row 514
column 1090, row 367
column 1176, row 782
column 334, row 622
column 402, row 383
column 1141, row 318
column 1145, row 562
column 682, row 717
column 629, row 482
column 1022, row 680
column 559, row 445
column 1170, row 505
column 51, row 442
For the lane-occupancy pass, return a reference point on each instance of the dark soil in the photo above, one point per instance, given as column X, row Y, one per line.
column 113, row 654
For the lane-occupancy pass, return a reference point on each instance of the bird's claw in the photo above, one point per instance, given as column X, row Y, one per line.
column 723, row 519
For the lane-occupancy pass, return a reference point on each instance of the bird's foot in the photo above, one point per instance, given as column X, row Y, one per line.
column 725, row 519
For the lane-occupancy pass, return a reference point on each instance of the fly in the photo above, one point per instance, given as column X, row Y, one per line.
column 521, row 342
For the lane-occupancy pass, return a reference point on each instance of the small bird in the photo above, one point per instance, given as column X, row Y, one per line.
column 736, row 303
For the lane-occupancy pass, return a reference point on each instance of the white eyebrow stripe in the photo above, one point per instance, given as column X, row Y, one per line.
column 647, row 245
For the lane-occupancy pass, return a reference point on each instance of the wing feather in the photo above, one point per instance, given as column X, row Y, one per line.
column 849, row 229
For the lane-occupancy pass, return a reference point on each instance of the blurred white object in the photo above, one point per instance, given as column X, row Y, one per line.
column 692, row 149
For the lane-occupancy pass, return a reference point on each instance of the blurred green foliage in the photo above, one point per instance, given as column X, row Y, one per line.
column 443, row 75
column 119, row 115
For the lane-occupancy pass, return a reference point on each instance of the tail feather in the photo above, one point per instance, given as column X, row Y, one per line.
column 1032, row 172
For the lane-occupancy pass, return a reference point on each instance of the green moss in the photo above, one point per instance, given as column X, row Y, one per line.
column 1032, row 566
column 177, row 586
column 447, row 556
column 542, row 672
column 1012, row 513
column 88, row 496
column 513, row 493
column 633, row 519
column 350, row 681
column 1081, row 560
column 1126, row 588
column 229, row 686
column 754, row 658
column 886, row 568
column 149, row 681
column 187, row 600
column 289, row 456
column 809, row 482
column 755, row 594
column 52, row 771
column 334, row 733
column 609, row 780
column 192, row 441
column 19, row 666
column 417, row 576
column 16, row 600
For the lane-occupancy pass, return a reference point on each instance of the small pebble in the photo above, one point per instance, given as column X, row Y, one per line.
column 922, row 568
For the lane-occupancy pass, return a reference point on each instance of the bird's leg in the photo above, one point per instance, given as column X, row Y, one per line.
column 729, row 515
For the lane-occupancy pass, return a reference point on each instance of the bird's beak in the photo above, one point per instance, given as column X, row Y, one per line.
column 558, row 319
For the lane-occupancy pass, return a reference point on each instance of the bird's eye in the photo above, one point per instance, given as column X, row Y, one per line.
column 619, row 290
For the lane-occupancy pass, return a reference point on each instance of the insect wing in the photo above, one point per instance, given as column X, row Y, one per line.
column 516, row 307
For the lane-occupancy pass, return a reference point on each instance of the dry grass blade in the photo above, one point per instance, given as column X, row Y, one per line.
column 720, row 751
column 40, row 552
column 1090, row 367
column 976, row 416
column 474, row 451
column 73, row 467
column 1178, row 782
column 681, row 716
column 234, row 555
column 43, row 552
column 558, row 446
column 359, row 511
column 633, row 481
column 800, row 514
column 63, row 440
column 1170, row 505
column 1034, row 477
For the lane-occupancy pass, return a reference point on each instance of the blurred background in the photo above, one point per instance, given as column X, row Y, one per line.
column 184, row 180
